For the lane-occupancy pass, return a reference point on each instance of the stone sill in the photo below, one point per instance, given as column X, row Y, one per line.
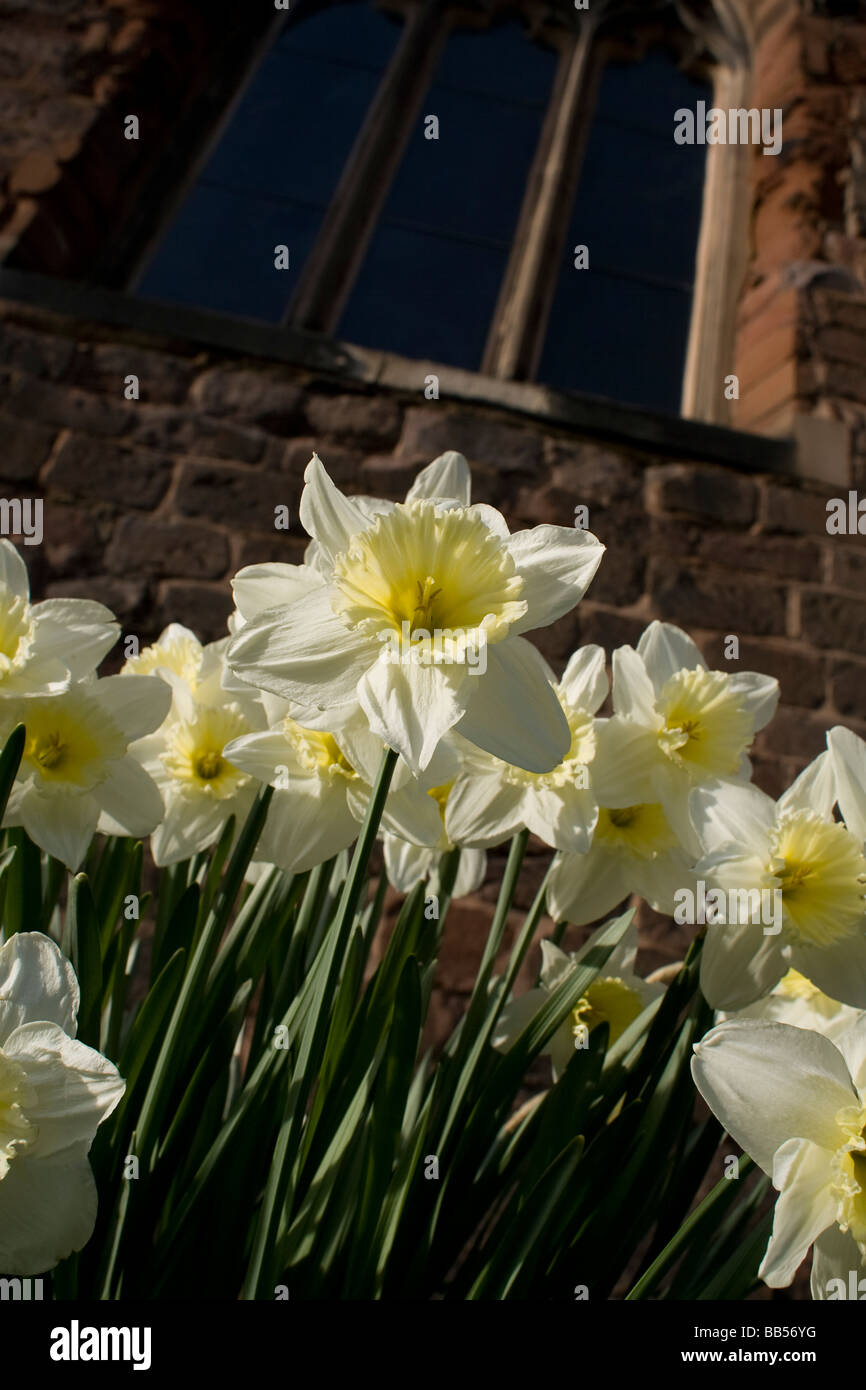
column 645, row 430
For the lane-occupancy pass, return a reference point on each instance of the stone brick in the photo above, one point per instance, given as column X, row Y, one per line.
column 372, row 421
column 43, row 354
column 274, row 403
column 123, row 596
column 704, row 599
column 25, row 448
column 606, row 627
column 788, row 509
column 157, row 549
column 716, row 493
column 386, row 475
column 593, row 474
column 848, row 567
column 791, row 732
column 237, row 497
column 430, row 431
column 802, row 676
column 202, row 607
column 833, row 621
column 848, row 684
column 343, row 465
column 176, row 431
column 261, row 548
column 109, row 473
column 65, row 406
column 776, row 555
column 103, row 367
column 72, row 540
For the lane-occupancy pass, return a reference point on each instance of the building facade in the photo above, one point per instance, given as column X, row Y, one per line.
column 165, row 437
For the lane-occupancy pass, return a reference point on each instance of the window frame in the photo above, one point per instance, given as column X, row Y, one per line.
column 720, row 44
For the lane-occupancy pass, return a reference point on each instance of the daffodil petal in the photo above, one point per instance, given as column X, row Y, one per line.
column 768, row 1083
column 447, row 476
column 805, row 1207
column 496, row 716
column 36, row 981
column 556, row 564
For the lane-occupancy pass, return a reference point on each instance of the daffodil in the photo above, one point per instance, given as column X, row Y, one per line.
column 185, row 756
column 311, row 816
column 793, row 858
column 401, row 605
column 795, row 1101
column 848, row 757
column 634, row 849
column 54, row 1093
column 492, row 799
column 799, row 1003
column 42, row 644
column 416, row 838
column 77, row 774
column 676, row 724
column 617, row 996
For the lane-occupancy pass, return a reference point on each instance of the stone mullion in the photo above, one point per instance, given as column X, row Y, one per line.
column 356, row 206
column 516, row 337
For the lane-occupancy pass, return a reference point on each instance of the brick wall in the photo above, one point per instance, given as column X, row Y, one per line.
column 154, row 503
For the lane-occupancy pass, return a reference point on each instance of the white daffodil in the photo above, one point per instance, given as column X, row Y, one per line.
column 177, row 649
column 416, row 837
column 402, row 606
column 800, row 1004
column 313, row 814
column 200, row 787
column 44, row 643
column 616, row 997
column 795, row 1101
column 492, row 799
column 54, row 1094
column 77, row 774
column 848, row 756
column 676, row 724
column 785, row 888
column 634, row 850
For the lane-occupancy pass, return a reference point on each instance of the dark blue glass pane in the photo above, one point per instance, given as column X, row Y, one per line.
column 451, row 214
column 624, row 339
column 425, row 295
column 638, row 210
column 350, row 33
column 272, row 175
column 221, row 254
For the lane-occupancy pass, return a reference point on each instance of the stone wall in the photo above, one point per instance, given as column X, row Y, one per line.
column 153, row 504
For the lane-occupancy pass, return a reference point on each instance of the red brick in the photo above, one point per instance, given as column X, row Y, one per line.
column 776, row 555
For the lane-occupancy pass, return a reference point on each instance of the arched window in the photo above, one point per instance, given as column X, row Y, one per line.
column 493, row 186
